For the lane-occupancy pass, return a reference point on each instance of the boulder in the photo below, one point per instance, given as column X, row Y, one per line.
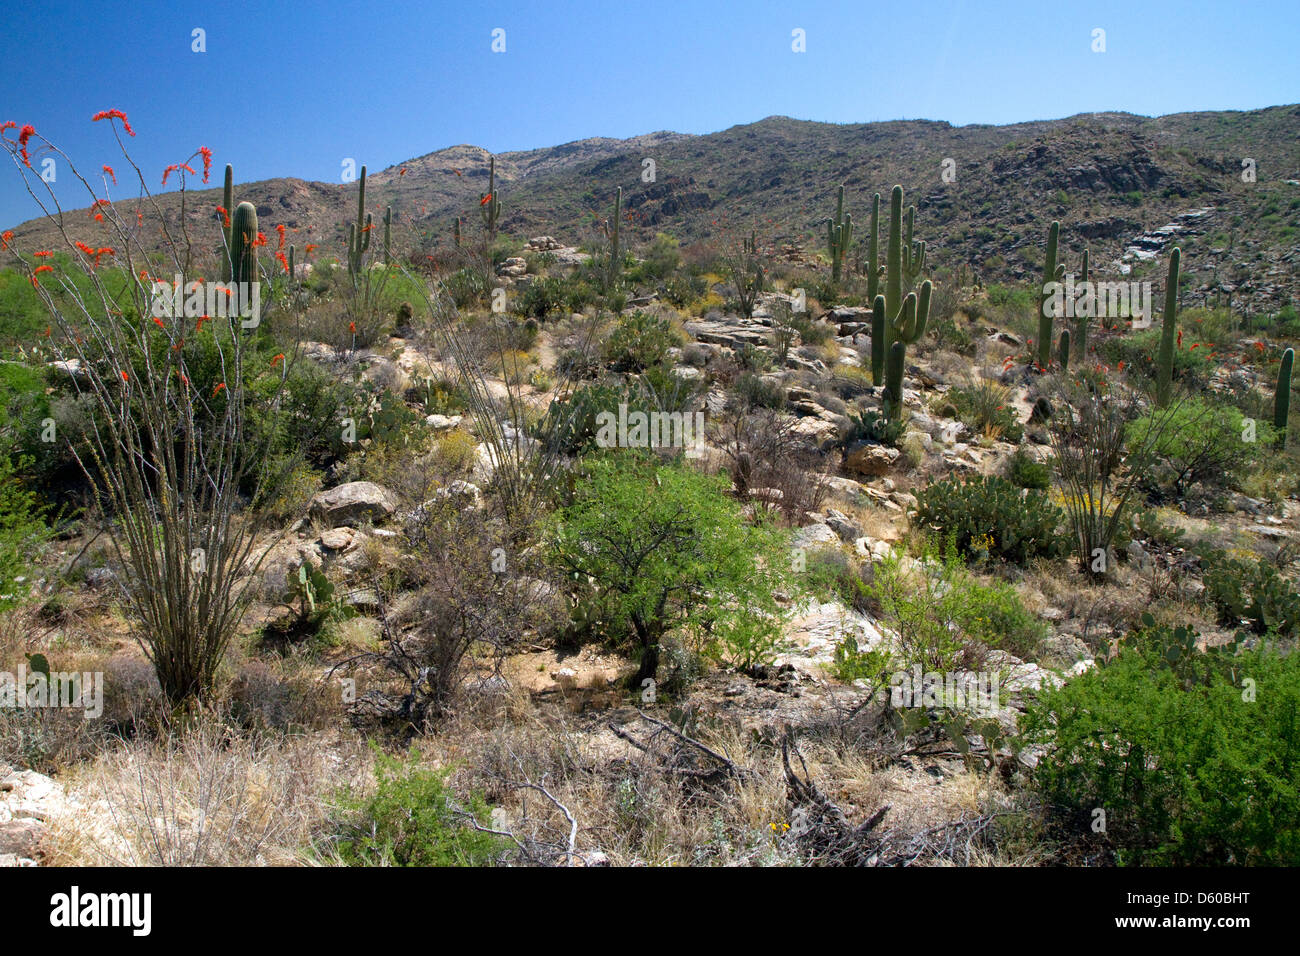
column 353, row 503
column 864, row 458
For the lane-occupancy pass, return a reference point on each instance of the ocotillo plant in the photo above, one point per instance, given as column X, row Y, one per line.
column 359, row 231
column 228, row 204
column 1165, row 361
column 1282, row 396
column 489, row 204
column 1052, row 272
column 243, row 240
column 839, row 235
column 878, row 337
column 908, row 328
column 873, row 256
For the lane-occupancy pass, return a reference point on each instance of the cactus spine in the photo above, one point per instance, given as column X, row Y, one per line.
column 243, row 239
column 1165, row 362
column 873, row 256
column 839, row 234
column 1282, row 396
column 489, row 205
column 359, row 231
column 878, row 340
column 1052, row 272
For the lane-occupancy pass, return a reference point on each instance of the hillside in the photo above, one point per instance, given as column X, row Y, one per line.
column 1114, row 180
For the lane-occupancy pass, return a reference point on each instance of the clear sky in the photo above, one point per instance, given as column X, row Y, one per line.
column 293, row 88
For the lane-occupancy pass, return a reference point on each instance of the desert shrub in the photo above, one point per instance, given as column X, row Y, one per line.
column 1251, row 591
column 988, row 515
column 413, row 819
column 668, row 549
column 1189, row 772
column 1024, row 472
column 945, row 618
column 681, row 291
column 640, row 341
column 1201, row 444
column 570, row 426
column 986, row 407
column 543, row 296
column 661, row 258
column 754, row 391
column 466, row 287
column 767, row 453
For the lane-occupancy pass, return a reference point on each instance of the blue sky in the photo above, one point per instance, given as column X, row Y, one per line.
column 294, row 88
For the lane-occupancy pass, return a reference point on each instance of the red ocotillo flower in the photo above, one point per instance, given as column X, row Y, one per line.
column 43, row 253
column 112, row 175
column 352, row 327
column 284, row 261
column 114, row 114
column 485, row 200
column 173, row 167
column 125, row 377
column 280, row 229
column 26, row 133
column 44, row 269
column 5, row 238
column 277, row 360
column 84, row 248
column 207, row 161
column 1180, row 338
column 225, row 216
column 217, row 389
column 260, row 240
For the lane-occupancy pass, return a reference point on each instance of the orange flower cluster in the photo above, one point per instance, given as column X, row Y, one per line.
column 112, row 175
column 207, row 161
column 114, row 114
column 173, row 167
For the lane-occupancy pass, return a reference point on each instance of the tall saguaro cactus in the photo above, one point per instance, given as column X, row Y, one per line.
column 243, row 244
column 1168, row 330
column 839, row 235
column 913, row 252
column 1052, row 272
column 878, row 336
column 489, row 204
column 904, row 262
column 873, row 254
column 615, row 262
column 388, row 244
column 1282, row 396
column 1081, row 339
column 228, row 204
column 909, row 326
column 359, row 231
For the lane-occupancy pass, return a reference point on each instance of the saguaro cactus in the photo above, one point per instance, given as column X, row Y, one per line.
column 878, row 336
column 873, row 255
column 1052, row 272
column 489, row 205
column 615, row 263
column 388, row 223
column 908, row 328
column 1282, row 395
column 1081, row 339
column 1168, row 330
column 913, row 252
column 359, row 231
column 228, row 204
column 839, row 234
column 455, row 231
column 243, row 239
column 1063, row 353
column 903, row 263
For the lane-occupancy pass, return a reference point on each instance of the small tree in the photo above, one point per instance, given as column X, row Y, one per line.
column 665, row 548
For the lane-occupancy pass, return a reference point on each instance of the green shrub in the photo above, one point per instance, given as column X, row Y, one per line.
column 1137, row 350
column 1202, row 444
column 657, row 548
column 640, row 341
column 754, row 391
column 1024, row 472
column 988, row 515
column 986, row 407
column 874, row 427
column 412, row 819
column 1189, row 772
